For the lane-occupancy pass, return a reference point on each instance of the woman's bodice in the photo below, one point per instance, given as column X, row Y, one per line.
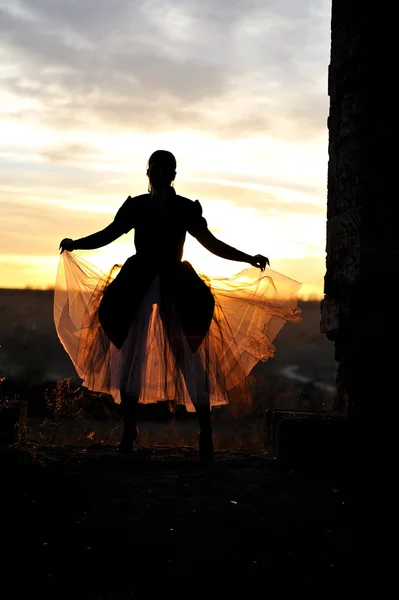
column 160, row 232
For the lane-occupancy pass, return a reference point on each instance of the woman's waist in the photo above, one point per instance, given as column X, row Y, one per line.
column 159, row 257
column 148, row 265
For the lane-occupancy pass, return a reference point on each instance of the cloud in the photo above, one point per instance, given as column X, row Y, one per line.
column 35, row 227
column 242, row 68
column 238, row 90
column 69, row 152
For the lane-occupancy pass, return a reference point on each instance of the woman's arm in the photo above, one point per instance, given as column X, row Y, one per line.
column 94, row 241
column 198, row 228
column 211, row 243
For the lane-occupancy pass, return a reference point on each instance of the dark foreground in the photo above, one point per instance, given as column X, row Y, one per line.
column 158, row 525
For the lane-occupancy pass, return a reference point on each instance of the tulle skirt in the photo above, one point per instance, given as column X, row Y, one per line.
column 194, row 346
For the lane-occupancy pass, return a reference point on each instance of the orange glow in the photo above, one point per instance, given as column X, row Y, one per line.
column 239, row 95
column 286, row 223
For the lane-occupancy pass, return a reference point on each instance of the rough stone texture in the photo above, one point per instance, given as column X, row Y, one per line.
column 358, row 312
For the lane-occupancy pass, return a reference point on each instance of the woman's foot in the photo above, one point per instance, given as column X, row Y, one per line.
column 126, row 444
column 205, row 442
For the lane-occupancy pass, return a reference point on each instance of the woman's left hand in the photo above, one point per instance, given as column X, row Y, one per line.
column 260, row 261
column 66, row 244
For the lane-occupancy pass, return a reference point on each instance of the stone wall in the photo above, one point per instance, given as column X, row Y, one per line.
column 358, row 312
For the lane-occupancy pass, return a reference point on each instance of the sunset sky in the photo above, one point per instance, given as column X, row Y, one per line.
column 237, row 90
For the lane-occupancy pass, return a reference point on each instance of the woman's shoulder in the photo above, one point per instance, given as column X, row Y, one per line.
column 137, row 199
column 130, row 209
column 133, row 203
column 188, row 204
column 192, row 211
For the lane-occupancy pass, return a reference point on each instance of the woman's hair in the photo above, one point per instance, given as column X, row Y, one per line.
column 161, row 170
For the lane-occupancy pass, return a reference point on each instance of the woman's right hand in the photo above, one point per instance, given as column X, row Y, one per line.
column 66, row 244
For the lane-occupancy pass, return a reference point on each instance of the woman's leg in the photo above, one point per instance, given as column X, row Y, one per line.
column 196, row 378
column 131, row 374
column 203, row 412
column 129, row 406
column 201, row 403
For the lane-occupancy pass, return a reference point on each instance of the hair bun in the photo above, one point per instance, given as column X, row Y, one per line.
column 161, row 168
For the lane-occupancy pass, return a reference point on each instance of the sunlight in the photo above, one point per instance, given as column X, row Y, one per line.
column 76, row 150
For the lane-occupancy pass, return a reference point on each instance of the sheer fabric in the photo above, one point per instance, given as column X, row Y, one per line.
column 186, row 338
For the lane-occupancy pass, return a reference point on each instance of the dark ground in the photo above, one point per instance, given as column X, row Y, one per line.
column 156, row 522
column 89, row 522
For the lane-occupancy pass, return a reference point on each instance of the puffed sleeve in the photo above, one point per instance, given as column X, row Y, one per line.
column 196, row 222
column 125, row 217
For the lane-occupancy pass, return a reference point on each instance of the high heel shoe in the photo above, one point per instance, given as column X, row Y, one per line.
column 126, row 444
column 205, row 442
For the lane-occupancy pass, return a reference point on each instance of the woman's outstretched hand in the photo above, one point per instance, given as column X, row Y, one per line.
column 66, row 244
column 260, row 261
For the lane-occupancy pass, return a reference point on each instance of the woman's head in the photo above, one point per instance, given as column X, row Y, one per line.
column 161, row 169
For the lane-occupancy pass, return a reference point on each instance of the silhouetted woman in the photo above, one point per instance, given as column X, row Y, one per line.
column 154, row 329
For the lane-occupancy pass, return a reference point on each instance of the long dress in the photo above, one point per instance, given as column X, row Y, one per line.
column 157, row 329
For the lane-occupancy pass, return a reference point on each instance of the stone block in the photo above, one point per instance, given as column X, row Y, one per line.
column 343, row 175
column 306, row 437
column 350, row 116
column 343, row 230
column 330, row 315
column 343, row 269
